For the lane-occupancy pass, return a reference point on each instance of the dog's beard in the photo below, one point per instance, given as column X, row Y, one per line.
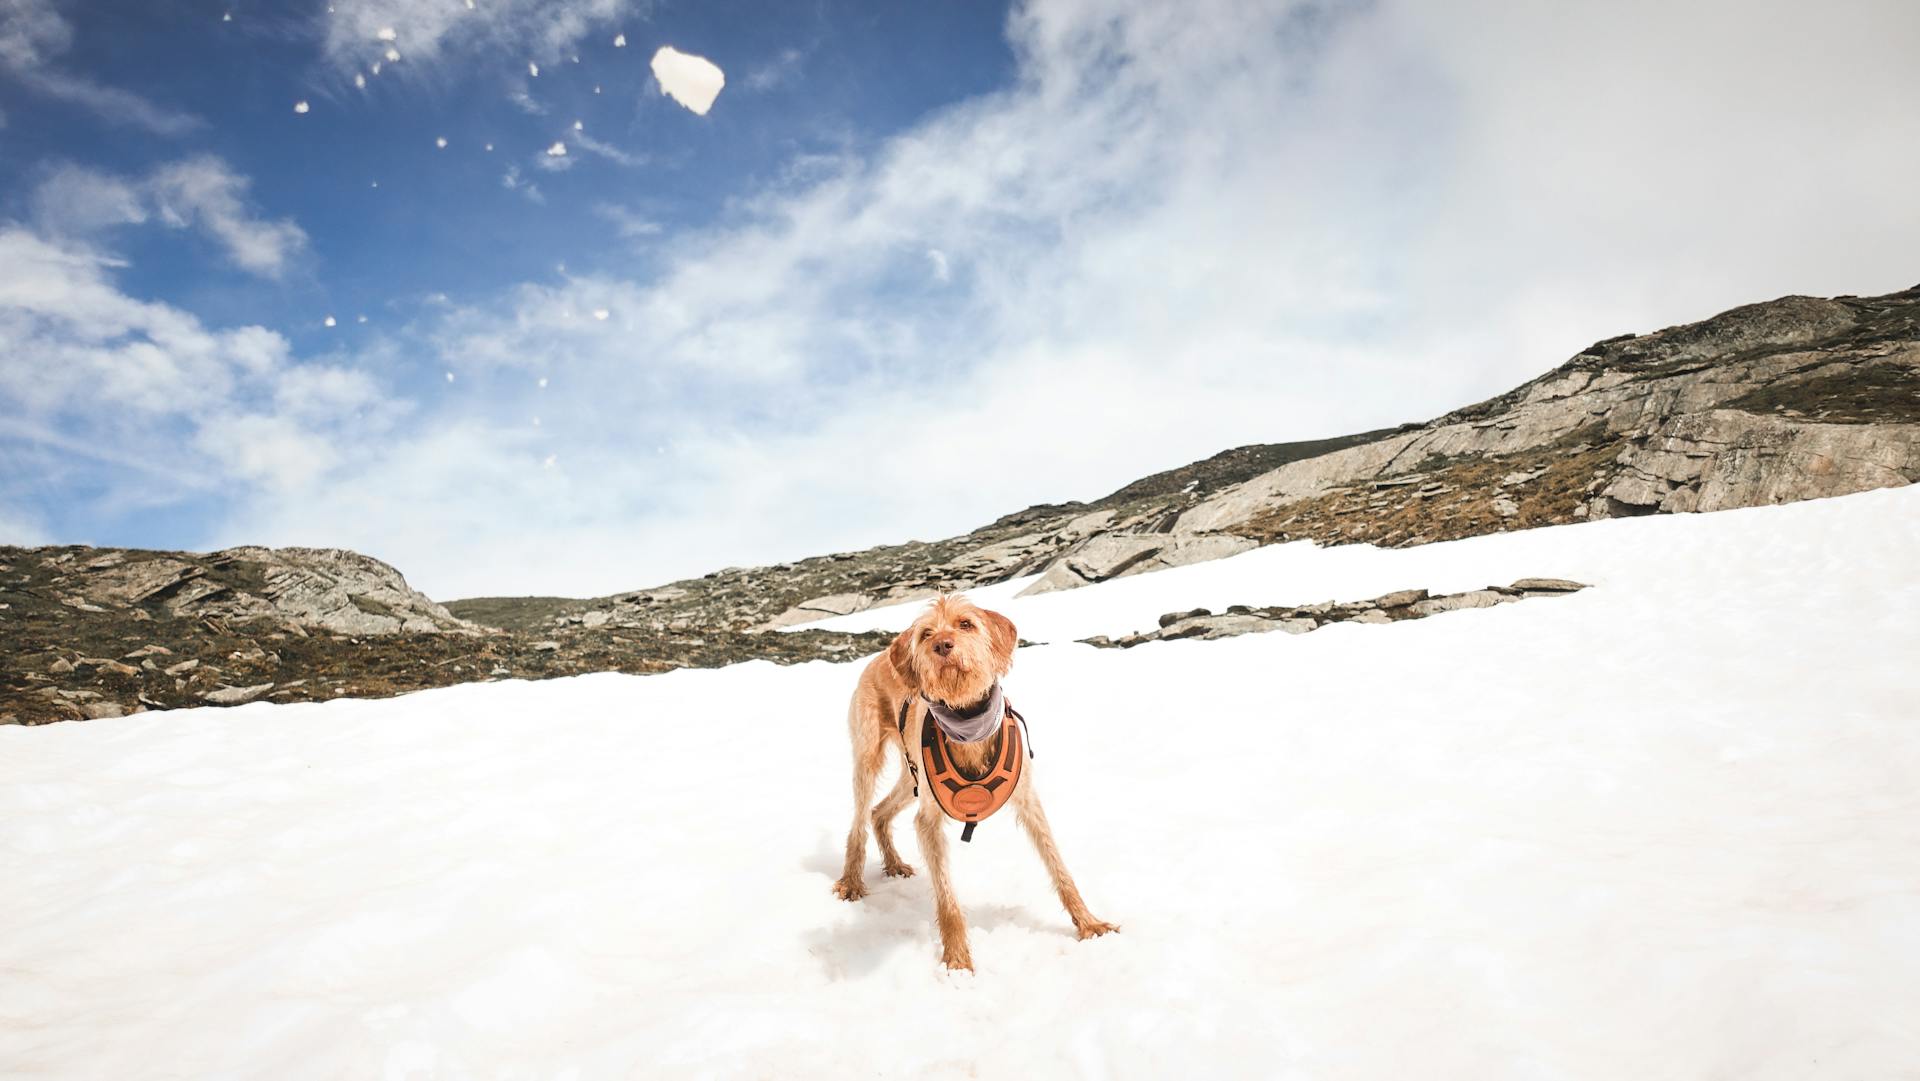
column 957, row 681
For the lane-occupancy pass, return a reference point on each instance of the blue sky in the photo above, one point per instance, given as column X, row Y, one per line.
column 917, row 266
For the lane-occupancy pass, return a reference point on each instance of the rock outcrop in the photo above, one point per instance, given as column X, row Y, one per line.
column 1794, row 399
column 1393, row 607
column 309, row 588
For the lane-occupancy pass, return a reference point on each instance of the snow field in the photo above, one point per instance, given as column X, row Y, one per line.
column 1668, row 827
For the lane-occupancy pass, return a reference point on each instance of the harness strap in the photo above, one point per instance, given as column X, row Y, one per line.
column 904, row 755
column 1017, row 717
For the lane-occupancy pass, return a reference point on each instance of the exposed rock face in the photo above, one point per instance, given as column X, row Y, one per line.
column 1022, row 543
column 1114, row 555
column 1791, row 399
column 837, row 604
column 312, row 588
column 1391, row 608
column 1795, row 399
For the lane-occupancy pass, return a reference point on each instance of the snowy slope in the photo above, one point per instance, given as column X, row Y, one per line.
column 1668, row 827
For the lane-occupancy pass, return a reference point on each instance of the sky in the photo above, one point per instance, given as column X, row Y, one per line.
column 469, row 288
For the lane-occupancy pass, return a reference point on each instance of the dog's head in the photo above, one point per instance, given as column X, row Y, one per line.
column 955, row 651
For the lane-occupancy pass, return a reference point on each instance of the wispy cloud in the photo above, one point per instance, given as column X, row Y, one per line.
column 146, row 383
column 779, row 71
column 427, row 33
column 201, row 193
column 626, row 222
column 1176, row 228
column 34, row 35
column 513, row 181
column 608, row 151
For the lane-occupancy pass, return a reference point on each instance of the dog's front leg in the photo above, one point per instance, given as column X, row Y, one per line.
column 1026, row 806
column 928, row 823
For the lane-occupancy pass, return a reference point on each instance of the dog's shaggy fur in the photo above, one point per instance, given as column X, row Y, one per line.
column 953, row 653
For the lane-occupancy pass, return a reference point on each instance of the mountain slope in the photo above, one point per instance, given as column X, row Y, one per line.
column 1791, row 399
column 1796, row 398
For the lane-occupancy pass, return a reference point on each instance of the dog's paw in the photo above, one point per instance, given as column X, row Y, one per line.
column 1094, row 929
column 848, row 890
column 899, row 870
column 957, row 960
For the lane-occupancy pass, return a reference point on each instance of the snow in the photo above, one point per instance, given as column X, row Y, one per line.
column 1665, row 827
column 693, row 81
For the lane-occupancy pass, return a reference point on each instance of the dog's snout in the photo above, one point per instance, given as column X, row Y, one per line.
column 943, row 647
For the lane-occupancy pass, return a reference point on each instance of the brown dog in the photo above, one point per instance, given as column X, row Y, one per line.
column 953, row 653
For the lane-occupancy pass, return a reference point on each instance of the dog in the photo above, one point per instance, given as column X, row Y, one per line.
column 954, row 653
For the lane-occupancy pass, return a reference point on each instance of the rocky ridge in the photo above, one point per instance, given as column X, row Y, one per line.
column 1792, row 399
column 1798, row 398
column 87, row 633
column 1392, row 607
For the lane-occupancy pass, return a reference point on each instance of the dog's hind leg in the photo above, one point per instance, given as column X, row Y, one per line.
column 1026, row 806
column 928, row 824
column 883, row 817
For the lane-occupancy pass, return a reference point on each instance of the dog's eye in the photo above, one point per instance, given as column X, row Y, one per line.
column 966, row 624
column 926, row 634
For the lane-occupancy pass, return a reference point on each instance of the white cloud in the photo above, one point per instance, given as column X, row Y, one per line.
column 780, row 70
column 163, row 406
column 693, row 81
column 435, row 32
column 33, row 35
column 202, row 193
column 78, row 201
column 23, row 528
column 1185, row 227
column 205, row 193
column 627, row 223
column 513, row 181
column 937, row 260
column 606, row 150
column 526, row 102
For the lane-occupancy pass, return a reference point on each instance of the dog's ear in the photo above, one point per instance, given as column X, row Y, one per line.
column 900, row 655
column 1002, row 637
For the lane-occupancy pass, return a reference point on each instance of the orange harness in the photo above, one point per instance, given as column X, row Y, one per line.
column 965, row 799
